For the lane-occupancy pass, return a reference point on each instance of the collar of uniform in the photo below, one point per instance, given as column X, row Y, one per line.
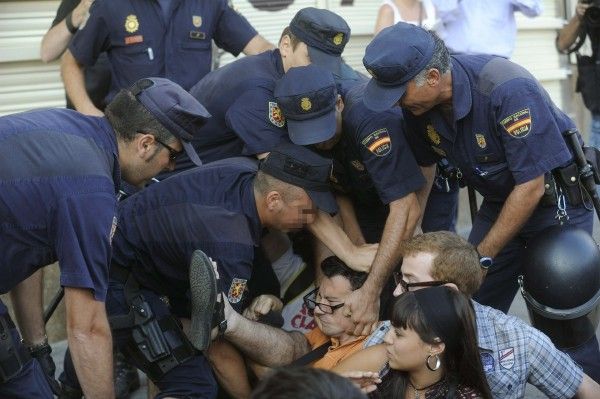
column 485, row 331
column 249, row 207
column 461, row 91
column 277, row 61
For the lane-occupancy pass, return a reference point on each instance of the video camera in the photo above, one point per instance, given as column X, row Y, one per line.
column 592, row 14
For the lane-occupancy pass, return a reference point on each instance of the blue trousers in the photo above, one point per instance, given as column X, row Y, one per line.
column 500, row 285
column 191, row 379
column 30, row 382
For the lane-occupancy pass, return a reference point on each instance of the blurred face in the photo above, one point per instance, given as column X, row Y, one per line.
column 405, row 350
column 333, row 291
column 329, row 144
column 416, row 268
column 296, row 213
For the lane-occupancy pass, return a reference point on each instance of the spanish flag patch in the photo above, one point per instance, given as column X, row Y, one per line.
column 518, row 124
column 378, row 142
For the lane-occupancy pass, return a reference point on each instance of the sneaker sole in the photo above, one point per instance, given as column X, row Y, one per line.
column 203, row 288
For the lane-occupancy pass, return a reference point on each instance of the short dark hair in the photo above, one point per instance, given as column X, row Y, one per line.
column 128, row 117
column 333, row 266
column 306, row 383
column 294, row 41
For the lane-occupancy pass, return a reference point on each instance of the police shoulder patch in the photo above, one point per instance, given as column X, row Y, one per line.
column 518, row 124
column 236, row 290
column 378, row 142
column 275, row 115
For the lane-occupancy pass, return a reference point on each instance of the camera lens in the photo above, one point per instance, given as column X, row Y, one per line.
column 592, row 15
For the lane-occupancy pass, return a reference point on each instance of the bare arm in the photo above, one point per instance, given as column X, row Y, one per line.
column 372, row 359
column 264, row 344
column 363, row 303
column 56, row 40
column 385, row 18
column 88, row 335
column 568, row 34
column 27, row 298
column 229, row 368
column 331, row 234
column 423, row 193
column 517, row 208
column 257, row 45
column 588, row 389
column 349, row 221
column 73, row 78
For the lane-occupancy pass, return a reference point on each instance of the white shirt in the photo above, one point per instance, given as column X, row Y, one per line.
column 427, row 23
column 482, row 26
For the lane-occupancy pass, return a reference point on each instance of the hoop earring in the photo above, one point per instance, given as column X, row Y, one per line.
column 438, row 362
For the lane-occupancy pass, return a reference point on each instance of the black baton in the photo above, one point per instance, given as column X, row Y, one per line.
column 586, row 172
column 53, row 304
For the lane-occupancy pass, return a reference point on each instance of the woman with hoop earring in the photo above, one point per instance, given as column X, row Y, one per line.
column 432, row 348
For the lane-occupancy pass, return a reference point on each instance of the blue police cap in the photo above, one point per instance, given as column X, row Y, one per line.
column 394, row 57
column 303, row 168
column 306, row 96
column 176, row 109
column 325, row 33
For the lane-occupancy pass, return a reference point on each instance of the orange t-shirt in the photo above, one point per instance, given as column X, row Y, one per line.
column 336, row 352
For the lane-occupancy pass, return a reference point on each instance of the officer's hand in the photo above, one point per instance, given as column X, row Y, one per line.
column 80, row 13
column 42, row 353
column 365, row 380
column 362, row 257
column 262, row 305
column 363, row 308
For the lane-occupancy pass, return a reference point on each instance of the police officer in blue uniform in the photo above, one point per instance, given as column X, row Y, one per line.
column 60, row 172
column 246, row 118
column 373, row 166
column 494, row 121
column 220, row 208
column 167, row 38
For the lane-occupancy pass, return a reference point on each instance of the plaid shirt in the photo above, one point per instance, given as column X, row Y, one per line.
column 514, row 353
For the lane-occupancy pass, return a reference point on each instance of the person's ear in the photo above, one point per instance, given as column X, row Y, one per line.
column 438, row 347
column 285, row 46
column 339, row 103
column 274, row 201
column 433, row 77
column 144, row 143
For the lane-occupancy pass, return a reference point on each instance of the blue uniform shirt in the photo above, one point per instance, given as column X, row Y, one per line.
column 502, row 130
column 211, row 208
column 59, row 176
column 142, row 43
column 245, row 117
column 373, row 163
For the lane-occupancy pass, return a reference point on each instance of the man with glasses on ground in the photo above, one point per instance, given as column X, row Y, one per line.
column 328, row 343
column 512, row 352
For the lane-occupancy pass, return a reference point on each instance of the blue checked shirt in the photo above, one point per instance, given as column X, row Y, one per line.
column 513, row 354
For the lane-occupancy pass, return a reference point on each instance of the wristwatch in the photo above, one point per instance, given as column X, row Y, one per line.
column 485, row 262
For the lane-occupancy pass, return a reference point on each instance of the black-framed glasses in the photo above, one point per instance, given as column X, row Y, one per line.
column 406, row 286
column 311, row 303
column 173, row 153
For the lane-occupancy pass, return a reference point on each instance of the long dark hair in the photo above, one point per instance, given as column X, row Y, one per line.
column 460, row 358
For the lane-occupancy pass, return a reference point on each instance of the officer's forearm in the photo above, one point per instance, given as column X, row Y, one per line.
column 349, row 221
column 257, row 45
column 88, row 335
column 588, row 389
column 399, row 226
column 423, row 192
column 331, row 234
column 517, row 209
column 55, row 41
column 26, row 298
column 73, row 79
